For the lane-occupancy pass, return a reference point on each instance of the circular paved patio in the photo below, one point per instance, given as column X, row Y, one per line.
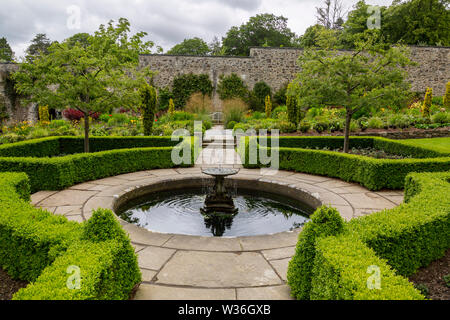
column 189, row 267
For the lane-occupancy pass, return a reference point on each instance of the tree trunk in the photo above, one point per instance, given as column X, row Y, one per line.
column 348, row 119
column 86, row 132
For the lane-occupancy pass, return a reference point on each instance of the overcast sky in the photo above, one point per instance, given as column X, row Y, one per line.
column 167, row 22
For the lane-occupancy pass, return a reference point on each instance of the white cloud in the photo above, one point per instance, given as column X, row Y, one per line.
column 166, row 21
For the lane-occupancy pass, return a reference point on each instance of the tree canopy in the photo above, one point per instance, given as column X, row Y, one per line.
column 194, row 46
column 93, row 76
column 261, row 30
column 6, row 53
column 39, row 45
column 373, row 75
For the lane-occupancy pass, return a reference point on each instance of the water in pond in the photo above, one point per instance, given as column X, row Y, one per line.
column 180, row 213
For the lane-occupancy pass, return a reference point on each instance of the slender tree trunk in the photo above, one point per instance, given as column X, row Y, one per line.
column 86, row 132
column 348, row 119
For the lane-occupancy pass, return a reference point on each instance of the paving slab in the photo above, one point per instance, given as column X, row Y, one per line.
column 203, row 243
column 281, row 266
column 68, row 210
column 148, row 275
column 218, row 270
column 41, row 195
column 145, row 237
column 68, row 198
column 95, row 203
column 277, row 254
column 155, row 292
column 154, row 258
column 112, row 181
column 164, row 172
column 368, row 200
column 279, row 240
column 264, row 293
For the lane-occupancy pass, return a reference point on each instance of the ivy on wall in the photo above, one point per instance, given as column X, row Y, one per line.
column 187, row 84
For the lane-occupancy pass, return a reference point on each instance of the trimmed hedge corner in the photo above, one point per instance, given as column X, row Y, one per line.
column 299, row 154
column 39, row 247
column 397, row 242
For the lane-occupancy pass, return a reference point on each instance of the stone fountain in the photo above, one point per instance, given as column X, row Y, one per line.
column 219, row 202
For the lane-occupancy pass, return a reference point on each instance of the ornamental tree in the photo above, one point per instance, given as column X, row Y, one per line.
column 96, row 75
column 371, row 76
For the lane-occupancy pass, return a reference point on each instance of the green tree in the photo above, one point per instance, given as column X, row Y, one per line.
column 148, row 107
column 216, row 48
column 194, row 46
column 261, row 30
column 81, row 39
column 310, row 38
column 261, row 90
column 371, row 76
column 96, row 78
column 39, row 45
column 187, row 84
column 6, row 53
column 418, row 22
column 232, row 86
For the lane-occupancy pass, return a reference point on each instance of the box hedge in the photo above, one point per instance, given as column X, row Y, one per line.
column 38, row 247
column 111, row 156
column 398, row 241
column 299, row 154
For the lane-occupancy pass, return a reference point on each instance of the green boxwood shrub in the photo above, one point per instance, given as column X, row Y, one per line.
column 299, row 154
column 398, row 241
column 127, row 155
column 324, row 222
column 415, row 233
column 38, row 247
column 30, row 239
column 341, row 268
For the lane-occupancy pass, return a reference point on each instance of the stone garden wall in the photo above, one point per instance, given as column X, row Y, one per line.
column 15, row 111
column 275, row 66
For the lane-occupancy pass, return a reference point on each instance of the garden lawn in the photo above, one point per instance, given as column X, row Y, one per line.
column 437, row 144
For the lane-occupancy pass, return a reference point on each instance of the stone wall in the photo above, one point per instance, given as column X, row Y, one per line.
column 16, row 112
column 276, row 66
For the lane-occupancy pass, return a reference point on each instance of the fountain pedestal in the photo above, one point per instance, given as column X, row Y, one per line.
column 219, row 202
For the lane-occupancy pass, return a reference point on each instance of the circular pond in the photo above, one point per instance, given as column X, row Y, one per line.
column 179, row 212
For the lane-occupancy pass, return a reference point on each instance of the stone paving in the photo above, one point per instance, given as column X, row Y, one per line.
column 188, row 267
column 184, row 267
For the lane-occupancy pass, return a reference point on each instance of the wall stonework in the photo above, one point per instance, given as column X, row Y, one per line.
column 276, row 66
column 16, row 112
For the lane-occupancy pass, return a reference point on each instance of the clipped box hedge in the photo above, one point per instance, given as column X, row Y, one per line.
column 39, row 247
column 398, row 241
column 341, row 268
column 299, row 154
column 41, row 159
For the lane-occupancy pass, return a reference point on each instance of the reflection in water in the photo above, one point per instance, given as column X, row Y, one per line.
column 181, row 213
column 218, row 224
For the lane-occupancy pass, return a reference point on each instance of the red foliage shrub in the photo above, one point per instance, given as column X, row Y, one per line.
column 76, row 115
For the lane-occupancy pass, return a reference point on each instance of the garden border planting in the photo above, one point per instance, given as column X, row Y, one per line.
column 397, row 241
column 39, row 247
column 298, row 154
